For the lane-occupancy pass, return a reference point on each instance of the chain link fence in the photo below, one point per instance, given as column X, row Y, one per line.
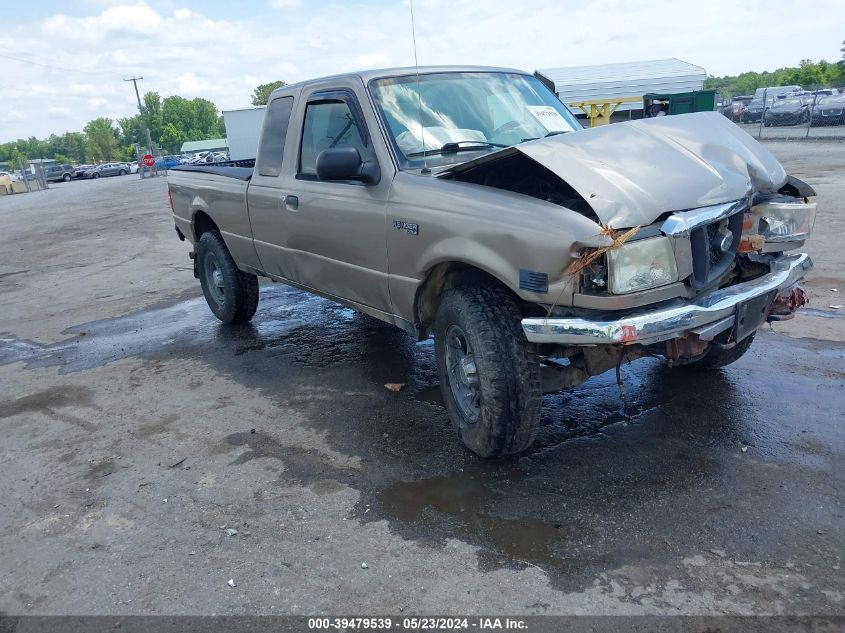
column 790, row 113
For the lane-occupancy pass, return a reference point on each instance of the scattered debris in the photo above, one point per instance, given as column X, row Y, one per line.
column 819, row 532
column 175, row 464
column 252, row 431
column 231, row 532
column 165, row 499
column 364, row 566
column 834, row 289
column 231, row 582
column 744, row 449
column 394, row 386
column 192, row 553
column 836, row 306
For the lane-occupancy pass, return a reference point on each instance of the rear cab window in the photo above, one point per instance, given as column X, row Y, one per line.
column 271, row 149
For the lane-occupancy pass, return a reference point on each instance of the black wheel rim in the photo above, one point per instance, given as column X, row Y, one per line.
column 214, row 278
column 463, row 373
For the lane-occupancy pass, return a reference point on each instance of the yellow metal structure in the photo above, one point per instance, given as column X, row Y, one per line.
column 599, row 111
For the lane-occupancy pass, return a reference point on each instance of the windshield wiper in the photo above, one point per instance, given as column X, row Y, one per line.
column 534, row 138
column 455, row 146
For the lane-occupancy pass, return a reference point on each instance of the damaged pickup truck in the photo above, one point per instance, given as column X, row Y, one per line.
column 469, row 203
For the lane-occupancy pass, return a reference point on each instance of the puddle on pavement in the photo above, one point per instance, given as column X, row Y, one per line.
column 466, row 501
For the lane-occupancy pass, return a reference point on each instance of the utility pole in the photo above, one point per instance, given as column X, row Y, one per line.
column 134, row 81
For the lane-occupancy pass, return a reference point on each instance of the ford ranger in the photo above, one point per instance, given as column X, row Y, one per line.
column 469, row 203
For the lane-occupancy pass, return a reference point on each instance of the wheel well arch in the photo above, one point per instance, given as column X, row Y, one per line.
column 202, row 223
column 440, row 278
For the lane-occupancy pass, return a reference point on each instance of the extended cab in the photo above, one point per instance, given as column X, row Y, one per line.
column 469, row 203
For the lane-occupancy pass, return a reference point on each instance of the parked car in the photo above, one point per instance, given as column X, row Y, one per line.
column 538, row 253
column 753, row 112
column 168, row 162
column 829, row 111
column 56, row 173
column 737, row 107
column 81, row 169
column 789, row 111
column 133, row 167
column 13, row 175
column 106, row 169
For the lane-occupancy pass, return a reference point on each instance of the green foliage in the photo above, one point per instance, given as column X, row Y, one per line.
column 102, row 139
column 262, row 93
column 808, row 74
column 171, row 138
column 171, row 121
column 17, row 159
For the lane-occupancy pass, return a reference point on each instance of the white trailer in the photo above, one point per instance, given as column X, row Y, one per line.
column 243, row 127
column 575, row 84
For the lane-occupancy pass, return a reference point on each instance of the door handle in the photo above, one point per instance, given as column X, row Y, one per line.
column 292, row 203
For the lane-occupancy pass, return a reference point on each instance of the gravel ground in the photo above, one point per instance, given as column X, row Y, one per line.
column 137, row 433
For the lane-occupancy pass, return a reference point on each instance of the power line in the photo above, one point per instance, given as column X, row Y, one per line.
column 50, row 66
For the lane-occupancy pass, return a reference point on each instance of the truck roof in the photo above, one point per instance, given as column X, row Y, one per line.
column 366, row 75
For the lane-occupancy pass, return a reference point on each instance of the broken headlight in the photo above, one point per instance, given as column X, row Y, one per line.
column 640, row 265
column 771, row 224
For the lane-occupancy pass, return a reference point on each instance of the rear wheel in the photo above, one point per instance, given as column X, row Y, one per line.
column 66, row 177
column 489, row 374
column 231, row 294
column 122, row 172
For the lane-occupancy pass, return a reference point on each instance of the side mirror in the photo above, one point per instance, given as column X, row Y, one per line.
column 344, row 163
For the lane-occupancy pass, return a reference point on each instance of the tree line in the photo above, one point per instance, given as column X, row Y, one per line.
column 172, row 121
column 808, row 75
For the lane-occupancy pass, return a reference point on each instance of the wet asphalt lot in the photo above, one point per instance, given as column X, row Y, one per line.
column 136, row 429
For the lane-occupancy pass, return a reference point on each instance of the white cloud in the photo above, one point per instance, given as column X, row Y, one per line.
column 181, row 50
column 372, row 60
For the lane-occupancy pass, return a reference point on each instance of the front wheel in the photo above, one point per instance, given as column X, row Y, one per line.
column 96, row 176
column 231, row 294
column 489, row 374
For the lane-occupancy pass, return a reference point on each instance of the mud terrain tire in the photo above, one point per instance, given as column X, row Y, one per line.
column 495, row 404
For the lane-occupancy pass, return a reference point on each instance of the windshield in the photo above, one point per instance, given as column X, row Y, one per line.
column 445, row 118
column 789, row 103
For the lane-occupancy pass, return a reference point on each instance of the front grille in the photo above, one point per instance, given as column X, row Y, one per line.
column 709, row 259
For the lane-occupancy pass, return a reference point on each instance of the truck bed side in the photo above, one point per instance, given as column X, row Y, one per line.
column 206, row 195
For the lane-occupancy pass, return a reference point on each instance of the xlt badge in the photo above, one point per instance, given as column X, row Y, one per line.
column 411, row 228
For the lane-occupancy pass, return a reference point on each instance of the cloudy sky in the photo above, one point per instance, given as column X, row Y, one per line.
column 80, row 51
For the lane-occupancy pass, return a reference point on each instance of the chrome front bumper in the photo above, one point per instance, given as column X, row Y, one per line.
column 706, row 315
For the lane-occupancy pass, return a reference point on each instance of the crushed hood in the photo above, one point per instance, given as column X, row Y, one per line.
column 631, row 173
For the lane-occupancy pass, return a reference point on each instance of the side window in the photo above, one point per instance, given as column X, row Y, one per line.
column 329, row 124
column 272, row 146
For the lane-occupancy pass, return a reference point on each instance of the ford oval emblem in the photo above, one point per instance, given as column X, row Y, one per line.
column 726, row 242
